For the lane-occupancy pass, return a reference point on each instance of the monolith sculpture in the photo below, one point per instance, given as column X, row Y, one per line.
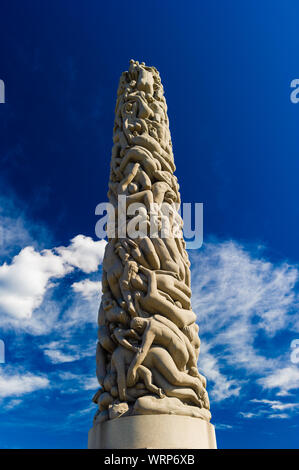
column 151, row 393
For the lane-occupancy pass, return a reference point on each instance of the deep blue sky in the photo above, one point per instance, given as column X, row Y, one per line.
column 226, row 67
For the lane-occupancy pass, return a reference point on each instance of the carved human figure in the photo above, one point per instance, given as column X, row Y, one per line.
column 120, row 361
column 143, row 251
column 160, row 331
column 167, row 282
column 154, row 302
column 159, row 359
column 112, row 270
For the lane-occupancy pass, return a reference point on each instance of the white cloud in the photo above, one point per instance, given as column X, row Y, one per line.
column 16, row 231
column 249, row 415
column 17, row 384
column 90, row 383
column 230, row 284
column 25, row 281
column 88, row 289
column 276, row 404
column 79, row 313
column 43, row 321
column 270, row 409
column 221, row 426
column 57, row 357
column 11, row 404
column 83, row 253
column 75, row 382
column 69, row 349
column 77, row 415
column 58, row 352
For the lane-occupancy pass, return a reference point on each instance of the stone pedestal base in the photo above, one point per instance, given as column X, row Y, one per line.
column 153, row 432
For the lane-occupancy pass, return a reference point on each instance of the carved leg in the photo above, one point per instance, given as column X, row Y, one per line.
column 118, row 361
column 164, row 363
column 185, row 394
column 146, row 376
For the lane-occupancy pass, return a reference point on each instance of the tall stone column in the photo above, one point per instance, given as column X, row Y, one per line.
column 151, row 393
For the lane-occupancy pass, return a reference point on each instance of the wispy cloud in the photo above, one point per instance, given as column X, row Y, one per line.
column 11, row 404
column 238, row 295
column 270, row 409
column 83, row 253
column 222, row 426
column 276, row 404
column 278, row 416
column 16, row 230
column 78, row 381
column 249, row 414
column 57, row 357
column 23, row 283
column 223, row 386
column 285, row 379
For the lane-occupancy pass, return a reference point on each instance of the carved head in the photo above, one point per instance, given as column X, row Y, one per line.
column 133, row 188
column 138, row 324
column 133, row 267
column 107, row 301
